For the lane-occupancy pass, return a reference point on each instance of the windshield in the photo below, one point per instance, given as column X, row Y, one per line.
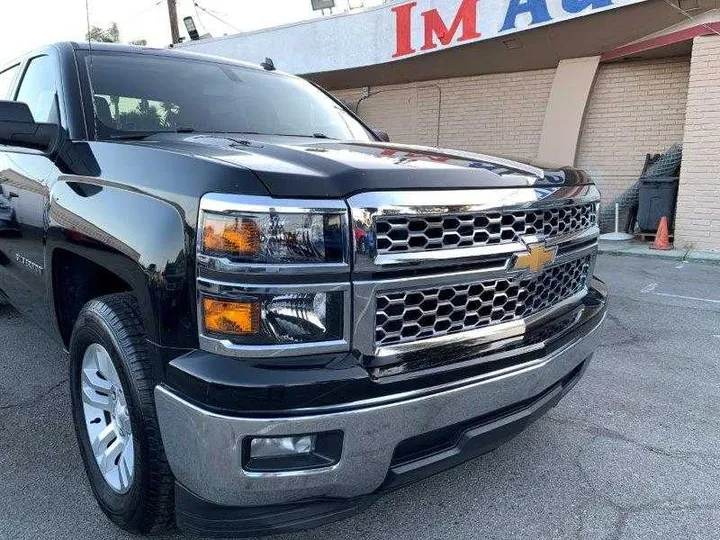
column 139, row 93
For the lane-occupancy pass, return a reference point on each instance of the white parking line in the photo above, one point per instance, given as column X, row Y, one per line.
column 650, row 288
column 688, row 297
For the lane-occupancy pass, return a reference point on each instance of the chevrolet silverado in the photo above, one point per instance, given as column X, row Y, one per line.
column 274, row 315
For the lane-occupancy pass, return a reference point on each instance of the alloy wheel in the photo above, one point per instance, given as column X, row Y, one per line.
column 107, row 418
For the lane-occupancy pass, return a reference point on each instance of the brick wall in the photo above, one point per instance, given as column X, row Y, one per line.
column 698, row 210
column 394, row 109
column 494, row 114
column 635, row 108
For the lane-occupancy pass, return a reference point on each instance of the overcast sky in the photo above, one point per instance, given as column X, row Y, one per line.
column 28, row 24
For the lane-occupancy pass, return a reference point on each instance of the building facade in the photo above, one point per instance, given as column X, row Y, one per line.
column 595, row 83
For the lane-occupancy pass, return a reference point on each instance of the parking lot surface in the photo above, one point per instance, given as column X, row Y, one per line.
column 632, row 452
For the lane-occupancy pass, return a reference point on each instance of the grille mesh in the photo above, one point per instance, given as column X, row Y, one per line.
column 411, row 315
column 421, row 233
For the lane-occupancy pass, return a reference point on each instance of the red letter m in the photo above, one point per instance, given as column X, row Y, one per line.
column 435, row 26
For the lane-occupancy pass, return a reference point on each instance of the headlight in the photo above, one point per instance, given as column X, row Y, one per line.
column 273, row 276
column 265, row 319
column 274, row 238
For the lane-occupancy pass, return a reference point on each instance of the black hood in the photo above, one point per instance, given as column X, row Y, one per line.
column 314, row 168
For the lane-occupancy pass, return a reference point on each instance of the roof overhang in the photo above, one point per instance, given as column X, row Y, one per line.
column 632, row 32
column 673, row 41
column 418, row 40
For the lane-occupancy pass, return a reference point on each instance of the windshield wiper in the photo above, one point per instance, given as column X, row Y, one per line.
column 139, row 135
column 316, row 135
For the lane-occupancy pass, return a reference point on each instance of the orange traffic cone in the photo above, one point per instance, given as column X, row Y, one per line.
column 662, row 238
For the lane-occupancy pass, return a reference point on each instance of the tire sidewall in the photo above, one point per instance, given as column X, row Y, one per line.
column 126, row 507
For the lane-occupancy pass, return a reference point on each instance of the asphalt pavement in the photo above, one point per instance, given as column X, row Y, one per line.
column 632, row 452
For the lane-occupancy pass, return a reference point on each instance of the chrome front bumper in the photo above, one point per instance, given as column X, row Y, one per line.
column 204, row 448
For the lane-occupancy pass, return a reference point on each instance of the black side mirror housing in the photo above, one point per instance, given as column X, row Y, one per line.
column 18, row 128
column 382, row 135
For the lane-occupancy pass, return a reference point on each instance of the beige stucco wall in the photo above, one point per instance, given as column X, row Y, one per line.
column 496, row 114
column 635, row 108
column 565, row 111
column 698, row 209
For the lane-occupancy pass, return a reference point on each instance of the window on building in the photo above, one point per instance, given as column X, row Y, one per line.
column 37, row 89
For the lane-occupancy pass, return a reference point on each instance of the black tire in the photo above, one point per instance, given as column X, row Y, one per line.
column 114, row 322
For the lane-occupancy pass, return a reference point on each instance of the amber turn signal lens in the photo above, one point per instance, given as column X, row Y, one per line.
column 239, row 318
column 230, row 235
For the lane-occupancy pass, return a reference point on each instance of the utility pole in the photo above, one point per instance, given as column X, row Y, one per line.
column 174, row 30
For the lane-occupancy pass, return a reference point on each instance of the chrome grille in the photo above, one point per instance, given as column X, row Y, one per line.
column 411, row 315
column 431, row 232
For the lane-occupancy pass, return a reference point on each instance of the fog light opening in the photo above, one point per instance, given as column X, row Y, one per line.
column 292, row 452
column 270, row 447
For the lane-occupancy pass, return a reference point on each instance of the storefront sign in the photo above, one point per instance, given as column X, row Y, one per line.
column 395, row 31
column 466, row 20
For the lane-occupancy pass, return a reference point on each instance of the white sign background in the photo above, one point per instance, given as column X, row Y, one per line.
column 369, row 37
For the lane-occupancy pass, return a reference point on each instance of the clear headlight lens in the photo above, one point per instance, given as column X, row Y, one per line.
column 276, row 319
column 274, row 238
column 252, row 234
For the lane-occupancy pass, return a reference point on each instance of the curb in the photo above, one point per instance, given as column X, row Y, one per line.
column 642, row 250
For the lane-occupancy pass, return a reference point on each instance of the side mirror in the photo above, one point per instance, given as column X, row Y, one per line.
column 18, row 128
column 382, row 135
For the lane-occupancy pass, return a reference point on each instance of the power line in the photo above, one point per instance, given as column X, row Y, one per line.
column 105, row 32
column 199, row 19
column 141, row 12
column 216, row 17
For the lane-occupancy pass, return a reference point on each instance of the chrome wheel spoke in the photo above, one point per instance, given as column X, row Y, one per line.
column 94, row 381
column 110, row 455
column 103, row 439
column 105, row 366
column 107, row 418
column 98, row 401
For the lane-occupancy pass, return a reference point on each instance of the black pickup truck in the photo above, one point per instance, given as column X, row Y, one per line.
column 273, row 315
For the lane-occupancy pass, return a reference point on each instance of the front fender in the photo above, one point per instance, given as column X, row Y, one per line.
column 138, row 237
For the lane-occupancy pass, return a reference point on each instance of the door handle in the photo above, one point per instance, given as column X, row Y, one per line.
column 13, row 195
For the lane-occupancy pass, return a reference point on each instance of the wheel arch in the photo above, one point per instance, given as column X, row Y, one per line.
column 76, row 280
column 121, row 240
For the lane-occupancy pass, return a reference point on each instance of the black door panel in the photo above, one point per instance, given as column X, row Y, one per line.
column 23, row 184
column 24, row 195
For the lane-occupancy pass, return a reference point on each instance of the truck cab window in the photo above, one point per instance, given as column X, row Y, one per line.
column 37, row 89
column 6, row 79
column 138, row 93
column 129, row 113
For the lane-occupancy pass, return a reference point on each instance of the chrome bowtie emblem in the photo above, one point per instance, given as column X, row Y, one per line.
column 537, row 257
